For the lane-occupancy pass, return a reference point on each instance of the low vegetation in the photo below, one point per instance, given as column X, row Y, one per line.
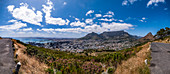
column 28, row 64
column 144, row 70
column 163, row 33
column 111, row 70
column 66, row 62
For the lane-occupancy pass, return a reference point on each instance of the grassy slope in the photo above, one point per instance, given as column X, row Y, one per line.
column 135, row 64
column 72, row 63
column 28, row 64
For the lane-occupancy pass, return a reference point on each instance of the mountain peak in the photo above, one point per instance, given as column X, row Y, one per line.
column 92, row 35
column 148, row 37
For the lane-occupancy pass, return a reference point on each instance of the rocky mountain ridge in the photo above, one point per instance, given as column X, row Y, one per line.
column 111, row 35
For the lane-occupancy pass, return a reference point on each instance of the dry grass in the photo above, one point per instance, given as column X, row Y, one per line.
column 132, row 65
column 29, row 65
column 167, row 40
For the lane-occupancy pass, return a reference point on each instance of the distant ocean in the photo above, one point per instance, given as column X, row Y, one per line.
column 32, row 39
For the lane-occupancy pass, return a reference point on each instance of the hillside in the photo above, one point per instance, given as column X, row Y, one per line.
column 65, row 62
column 148, row 37
column 136, row 64
column 29, row 64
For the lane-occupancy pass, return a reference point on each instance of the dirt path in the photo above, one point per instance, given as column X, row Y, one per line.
column 132, row 65
column 29, row 65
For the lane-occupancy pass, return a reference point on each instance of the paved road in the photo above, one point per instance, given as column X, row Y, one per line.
column 7, row 63
column 160, row 63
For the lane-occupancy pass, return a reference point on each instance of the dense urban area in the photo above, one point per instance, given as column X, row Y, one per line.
column 120, row 40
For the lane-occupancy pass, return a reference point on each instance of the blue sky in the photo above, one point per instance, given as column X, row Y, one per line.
column 76, row 18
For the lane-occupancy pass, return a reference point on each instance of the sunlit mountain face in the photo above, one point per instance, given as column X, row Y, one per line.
column 76, row 18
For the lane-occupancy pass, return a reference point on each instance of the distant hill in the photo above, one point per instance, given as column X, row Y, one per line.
column 148, row 37
column 112, row 35
column 92, row 36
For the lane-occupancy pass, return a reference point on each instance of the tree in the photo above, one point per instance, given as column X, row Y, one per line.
column 161, row 32
column 167, row 29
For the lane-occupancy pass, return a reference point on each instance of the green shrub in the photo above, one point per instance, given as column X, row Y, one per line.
column 50, row 71
column 71, row 63
column 144, row 70
column 111, row 70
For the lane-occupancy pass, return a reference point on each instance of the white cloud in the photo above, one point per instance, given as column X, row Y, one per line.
column 89, row 12
column 38, row 30
column 106, row 27
column 27, row 29
column 65, row 3
column 143, row 19
column 151, row 2
column 22, row 3
column 74, row 30
column 12, row 21
column 25, row 14
column 10, row 8
column 94, row 28
column 116, row 26
column 55, row 21
column 108, row 16
column 89, row 21
column 78, row 23
column 120, row 20
column 20, row 32
column 47, row 30
column 155, row 2
column 15, row 26
column 110, row 12
column 67, row 21
column 105, row 19
column 47, row 8
column 51, row 20
column 76, row 19
column 98, row 15
column 33, row 8
column 127, row 2
column 82, row 19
